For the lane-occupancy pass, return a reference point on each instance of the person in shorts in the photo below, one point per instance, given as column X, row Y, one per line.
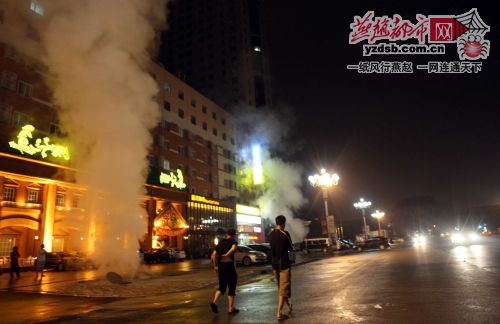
column 281, row 244
column 224, row 266
column 40, row 261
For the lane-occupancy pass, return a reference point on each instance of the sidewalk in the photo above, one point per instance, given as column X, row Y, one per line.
column 152, row 279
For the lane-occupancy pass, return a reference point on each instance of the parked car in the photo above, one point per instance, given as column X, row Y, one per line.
column 345, row 244
column 377, row 242
column 247, row 256
column 262, row 247
column 178, row 255
column 322, row 244
column 158, row 256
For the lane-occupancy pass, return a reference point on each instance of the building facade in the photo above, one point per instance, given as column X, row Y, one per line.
column 193, row 154
column 218, row 47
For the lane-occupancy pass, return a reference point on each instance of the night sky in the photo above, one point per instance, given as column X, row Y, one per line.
column 388, row 136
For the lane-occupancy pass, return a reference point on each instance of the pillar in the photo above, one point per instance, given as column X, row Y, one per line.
column 48, row 215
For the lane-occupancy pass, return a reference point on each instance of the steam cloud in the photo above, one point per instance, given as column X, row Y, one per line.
column 97, row 53
column 281, row 193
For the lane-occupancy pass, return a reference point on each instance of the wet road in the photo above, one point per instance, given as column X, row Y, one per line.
column 425, row 284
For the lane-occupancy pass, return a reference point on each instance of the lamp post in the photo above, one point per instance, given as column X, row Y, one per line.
column 378, row 215
column 363, row 205
column 324, row 181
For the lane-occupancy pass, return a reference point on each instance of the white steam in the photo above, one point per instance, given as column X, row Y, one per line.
column 281, row 193
column 97, row 53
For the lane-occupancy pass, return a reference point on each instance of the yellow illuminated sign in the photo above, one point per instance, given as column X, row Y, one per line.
column 204, row 200
column 247, row 210
column 41, row 146
column 175, row 180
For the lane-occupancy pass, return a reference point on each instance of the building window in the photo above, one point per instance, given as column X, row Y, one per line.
column 54, row 129
column 223, row 121
column 181, row 95
column 181, row 150
column 5, row 112
column 192, row 153
column 9, row 194
column 33, row 196
column 19, row 119
column 166, row 105
column 193, row 102
column 232, row 140
column 181, row 132
column 166, row 144
column 181, row 113
column 167, row 87
column 224, row 136
column 76, row 201
column 6, row 245
column 36, row 7
column 214, row 116
column 193, row 120
column 204, row 109
column 58, row 244
column 204, row 125
column 214, row 131
column 8, row 80
column 166, row 164
column 60, row 199
column 24, row 89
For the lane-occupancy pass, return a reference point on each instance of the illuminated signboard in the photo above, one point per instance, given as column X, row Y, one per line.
column 204, row 200
column 247, row 219
column 248, row 210
column 42, row 145
column 175, row 180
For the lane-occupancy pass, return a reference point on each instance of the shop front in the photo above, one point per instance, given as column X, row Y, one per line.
column 207, row 219
column 249, row 224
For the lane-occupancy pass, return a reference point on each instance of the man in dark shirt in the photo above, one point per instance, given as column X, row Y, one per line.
column 14, row 262
column 281, row 244
column 224, row 266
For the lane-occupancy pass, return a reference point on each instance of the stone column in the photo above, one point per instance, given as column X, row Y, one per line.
column 48, row 215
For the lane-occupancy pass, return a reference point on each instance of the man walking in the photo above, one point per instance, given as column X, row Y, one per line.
column 40, row 262
column 281, row 244
column 224, row 266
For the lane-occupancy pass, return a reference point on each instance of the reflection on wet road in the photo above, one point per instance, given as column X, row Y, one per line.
column 436, row 283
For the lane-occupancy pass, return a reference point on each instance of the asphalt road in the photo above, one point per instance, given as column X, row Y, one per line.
column 436, row 283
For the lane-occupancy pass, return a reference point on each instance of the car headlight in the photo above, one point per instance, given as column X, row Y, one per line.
column 473, row 236
column 457, row 238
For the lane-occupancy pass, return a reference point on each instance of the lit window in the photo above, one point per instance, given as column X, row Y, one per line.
column 33, row 196
column 60, row 199
column 166, row 164
column 257, row 49
column 167, row 87
column 36, row 7
column 19, row 119
column 9, row 194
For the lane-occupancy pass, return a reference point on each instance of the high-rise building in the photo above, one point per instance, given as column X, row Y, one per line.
column 218, row 47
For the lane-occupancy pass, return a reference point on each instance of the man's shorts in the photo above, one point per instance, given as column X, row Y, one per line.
column 284, row 280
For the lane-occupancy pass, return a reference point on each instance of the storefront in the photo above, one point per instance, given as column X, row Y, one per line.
column 207, row 219
column 249, row 222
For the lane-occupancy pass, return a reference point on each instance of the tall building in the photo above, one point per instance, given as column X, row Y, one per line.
column 191, row 187
column 218, row 47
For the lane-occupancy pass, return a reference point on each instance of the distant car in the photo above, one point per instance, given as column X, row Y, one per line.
column 377, row 242
column 55, row 260
column 178, row 255
column 248, row 256
column 464, row 238
column 62, row 261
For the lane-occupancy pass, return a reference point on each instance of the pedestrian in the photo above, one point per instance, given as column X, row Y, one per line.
column 281, row 244
column 14, row 262
column 40, row 262
column 225, row 268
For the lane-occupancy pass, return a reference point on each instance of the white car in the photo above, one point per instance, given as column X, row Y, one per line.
column 464, row 238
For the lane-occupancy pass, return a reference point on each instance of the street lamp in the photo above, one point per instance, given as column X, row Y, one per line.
column 325, row 180
column 363, row 204
column 378, row 215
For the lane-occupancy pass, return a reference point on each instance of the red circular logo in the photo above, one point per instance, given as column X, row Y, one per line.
column 472, row 49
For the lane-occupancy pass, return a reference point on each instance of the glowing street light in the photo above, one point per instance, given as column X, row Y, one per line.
column 363, row 204
column 325, row 180
column 378, row 215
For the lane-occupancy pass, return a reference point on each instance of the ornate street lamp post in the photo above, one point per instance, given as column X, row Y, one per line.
column 324, row 181
column 363, row 205
column 378, row 215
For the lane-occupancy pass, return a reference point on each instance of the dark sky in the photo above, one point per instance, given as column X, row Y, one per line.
column 388, row 136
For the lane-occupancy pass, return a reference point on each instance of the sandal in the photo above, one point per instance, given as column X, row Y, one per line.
column 234, row 311
column 214, row 308
column 281, row 317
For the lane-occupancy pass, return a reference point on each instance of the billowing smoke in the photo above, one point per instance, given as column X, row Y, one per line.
column 280, row 194
column 97, row 54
